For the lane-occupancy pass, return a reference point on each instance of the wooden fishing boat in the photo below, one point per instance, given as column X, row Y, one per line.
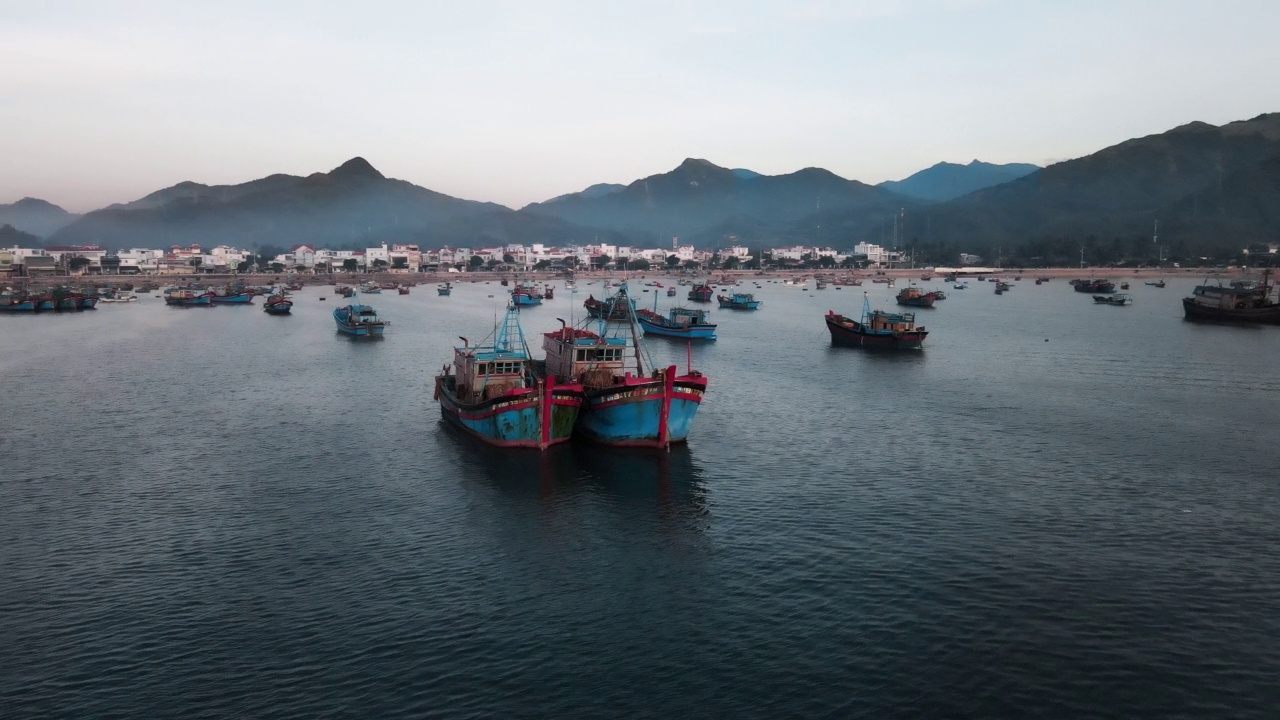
column 279, row 304
column 701, row 292
column 876, row 329
column 679, row 322
column 739, row 301
column 1239, row 301
column 493, row 392
column 359, row 321
column 915, row 297
column 629, row 401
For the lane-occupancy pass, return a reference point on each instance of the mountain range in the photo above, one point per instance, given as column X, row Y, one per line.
column 1207, row 186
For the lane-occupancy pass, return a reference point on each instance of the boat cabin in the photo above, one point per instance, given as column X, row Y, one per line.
column 891, row 322
column 575, row 353
column 485, row 373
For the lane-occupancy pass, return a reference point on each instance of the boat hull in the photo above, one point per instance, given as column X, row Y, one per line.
column 531, row 418
column 88, row 303
column 361, row 329
column 1268, row 314
column 20, row 306
column 693, row 332
column 858, row 336
column 239, row 299
column 279, row 308
column 649, row 413
column 188, row 301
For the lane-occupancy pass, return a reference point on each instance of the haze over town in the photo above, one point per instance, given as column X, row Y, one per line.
column 515, row 103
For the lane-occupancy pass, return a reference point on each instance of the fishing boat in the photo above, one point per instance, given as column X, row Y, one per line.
column 12, row 301
column 1116, row 299
column 278, row 305
column 226, row 296
column 402, row 289
column 185, row 297
column 493, row 392
column 876, row 329
column 1094, row 286
column 629, row 401
column 739, row 301
column 701, row 292
column 1158, row 283
column 548, row 292
column 614, row 307
column 1124, row 285
column 1239, row 301
column 359, row 321
column 344, row 290
column 370, row 288
column 671, row 291
column 444, row 289
column 915, row 297
column 525, row 295
column 679, row 322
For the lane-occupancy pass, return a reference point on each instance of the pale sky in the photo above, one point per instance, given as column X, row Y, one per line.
column 516, row 102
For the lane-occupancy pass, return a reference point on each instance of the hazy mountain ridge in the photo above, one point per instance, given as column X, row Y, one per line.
column 700, row 201
column 1124, row 189
column 1207, row 185
column 948, row 181
column 35, row 216
column 353, row 205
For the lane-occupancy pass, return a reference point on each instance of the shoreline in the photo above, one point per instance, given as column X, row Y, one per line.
column 544, row 276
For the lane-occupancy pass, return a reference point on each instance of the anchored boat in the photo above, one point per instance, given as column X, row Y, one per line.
column 359, row 321
column 629, row 401
column 493, row 392
column 876, row 329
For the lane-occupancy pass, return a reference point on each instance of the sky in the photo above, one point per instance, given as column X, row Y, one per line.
column 518, row 102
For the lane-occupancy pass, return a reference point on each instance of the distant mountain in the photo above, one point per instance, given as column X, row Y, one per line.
column 1208, row 187
column 13, row 237
column 35, row 216
column 703, row 203
column 353, row 205
column 947, row 181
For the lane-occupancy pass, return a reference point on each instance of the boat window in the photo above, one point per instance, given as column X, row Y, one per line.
column 582, row 355
column 482, row 368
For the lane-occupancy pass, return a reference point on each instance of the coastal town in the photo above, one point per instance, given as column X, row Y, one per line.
column 72, row 260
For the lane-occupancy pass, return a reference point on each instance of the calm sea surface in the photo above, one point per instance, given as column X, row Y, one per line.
column 1057, row 509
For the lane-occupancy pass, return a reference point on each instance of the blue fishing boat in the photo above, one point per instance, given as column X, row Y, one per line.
column 679, row 322
column 359, row 321
column 701, row 292
column 739, row 301
column 17, row 303
column 232, row 298
column 629, row 401
column 444, row 289
column 492, row 391
column 186, row 298
column 525, row 295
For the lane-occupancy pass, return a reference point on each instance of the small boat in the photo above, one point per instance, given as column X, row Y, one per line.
column 344, row 290
column 278, row 305
column 679, row 322
column 359, row 320
column 1158, row 283
column 961, row 286
column 628, row 402
column 548, row 292
column 876, row 329
column 1240, row 301
column 1124, row 285
column 371, row 288
column 701, row 292
column 402, row 289
column 671, row 291
column 914, row 297
column 739, row 301
column 444, row 289
column 1002, row 287
column 493, row 392
column 1116, row 299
